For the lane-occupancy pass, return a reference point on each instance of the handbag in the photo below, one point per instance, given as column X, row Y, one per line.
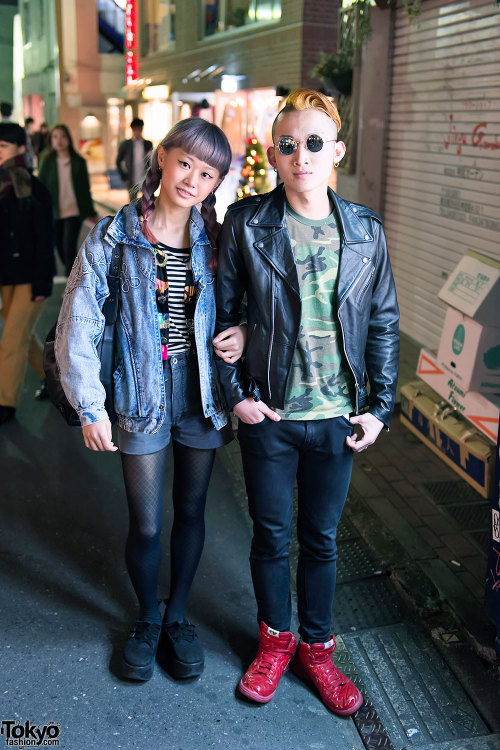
column 105, row 349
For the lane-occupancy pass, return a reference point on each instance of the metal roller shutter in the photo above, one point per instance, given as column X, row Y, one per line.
column 442, row 153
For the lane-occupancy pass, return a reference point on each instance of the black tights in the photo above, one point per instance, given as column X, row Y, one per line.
column 144, row 477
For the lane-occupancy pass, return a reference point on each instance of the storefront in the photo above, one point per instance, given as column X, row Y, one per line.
column 442, row 153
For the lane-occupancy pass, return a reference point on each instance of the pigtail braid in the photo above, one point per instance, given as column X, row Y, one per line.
column 149, row 186
column 212, row 226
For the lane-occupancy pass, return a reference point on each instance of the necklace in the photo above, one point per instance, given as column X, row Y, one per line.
column 161, row 256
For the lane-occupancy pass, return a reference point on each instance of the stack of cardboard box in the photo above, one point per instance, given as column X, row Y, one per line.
column 458, row 415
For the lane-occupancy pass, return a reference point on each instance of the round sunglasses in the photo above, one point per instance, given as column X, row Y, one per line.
column 288, row 145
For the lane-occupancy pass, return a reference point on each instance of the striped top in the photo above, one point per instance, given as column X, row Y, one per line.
column 175, row 297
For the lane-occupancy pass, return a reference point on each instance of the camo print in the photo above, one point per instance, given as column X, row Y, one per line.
column 319, row 382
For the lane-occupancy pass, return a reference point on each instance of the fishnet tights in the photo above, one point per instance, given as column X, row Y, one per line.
column 144, row 476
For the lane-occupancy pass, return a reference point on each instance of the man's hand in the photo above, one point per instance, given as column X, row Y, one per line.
column 97, row 436
column 229, row 344
column 253, row 412
column 371, row 427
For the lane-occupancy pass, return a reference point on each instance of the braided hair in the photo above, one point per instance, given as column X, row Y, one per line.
column 206, row 142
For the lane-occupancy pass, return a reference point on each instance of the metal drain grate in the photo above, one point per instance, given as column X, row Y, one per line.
column 365, row 604
column 474, row 517
column 447, row 492
column 354, row 561
column 418, row 699
column 481, row 539
column 345, row 530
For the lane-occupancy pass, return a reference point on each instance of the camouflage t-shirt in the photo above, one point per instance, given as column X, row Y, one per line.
column 319, row 383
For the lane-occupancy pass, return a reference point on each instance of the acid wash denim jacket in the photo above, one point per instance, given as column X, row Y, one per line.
column 139, row 390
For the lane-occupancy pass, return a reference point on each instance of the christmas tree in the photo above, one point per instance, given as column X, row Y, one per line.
column 254, row 171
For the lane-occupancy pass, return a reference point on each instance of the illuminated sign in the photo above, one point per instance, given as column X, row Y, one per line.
column 131, row 68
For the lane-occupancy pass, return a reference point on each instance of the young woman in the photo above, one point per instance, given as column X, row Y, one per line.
column 65, row 174
column 165, row 382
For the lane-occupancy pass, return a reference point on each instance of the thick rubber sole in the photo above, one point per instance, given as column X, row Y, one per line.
column 299, row 671
column 132, row 672
column 257, row 697
column 254, row 696
column 180, row 670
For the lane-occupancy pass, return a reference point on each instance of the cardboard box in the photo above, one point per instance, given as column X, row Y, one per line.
column 474, row 288
column 457, row 442
column 470, row 352
column 482, row 411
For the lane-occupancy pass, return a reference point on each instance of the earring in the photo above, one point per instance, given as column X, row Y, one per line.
column 275, row 169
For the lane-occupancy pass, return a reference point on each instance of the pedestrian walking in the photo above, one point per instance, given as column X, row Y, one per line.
column 321, row 311
column 65, row 174
column 166, row 385
column 131, row 160
column 40, row 139
column 27, row 265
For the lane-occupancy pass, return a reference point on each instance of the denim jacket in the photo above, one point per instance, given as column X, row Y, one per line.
column 139, row 390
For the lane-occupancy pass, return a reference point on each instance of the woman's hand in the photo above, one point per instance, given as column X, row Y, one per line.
column 97, row 436
column 230, row 344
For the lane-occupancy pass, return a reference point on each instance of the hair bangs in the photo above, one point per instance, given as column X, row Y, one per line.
column 203, row 140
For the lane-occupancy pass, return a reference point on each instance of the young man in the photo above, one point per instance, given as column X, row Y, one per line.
column 27, row 265
column 322, row 312
column 132, row 153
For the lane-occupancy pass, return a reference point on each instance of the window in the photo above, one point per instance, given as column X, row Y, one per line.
column 111, row 22
column 224, row 15
column 158, row 26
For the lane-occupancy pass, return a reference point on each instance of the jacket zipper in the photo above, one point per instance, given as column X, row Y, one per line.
column 356, row 385
column 272, row 336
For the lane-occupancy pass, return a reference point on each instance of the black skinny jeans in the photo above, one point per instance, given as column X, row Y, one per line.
column 274, row 454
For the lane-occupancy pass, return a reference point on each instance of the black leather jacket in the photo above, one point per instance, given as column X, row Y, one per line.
column 256, row 258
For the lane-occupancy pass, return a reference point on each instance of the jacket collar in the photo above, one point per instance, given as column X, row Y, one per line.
column 126, row 227
column 271, row 210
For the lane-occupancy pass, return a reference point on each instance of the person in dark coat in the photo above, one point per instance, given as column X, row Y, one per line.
column 27, row 265
column 65, row 174
column 131, row 160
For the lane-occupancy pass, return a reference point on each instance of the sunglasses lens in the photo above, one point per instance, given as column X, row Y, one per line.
column 287, row 145
column 314, row 143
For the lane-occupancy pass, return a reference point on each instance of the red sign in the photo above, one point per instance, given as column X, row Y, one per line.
column 131, row 69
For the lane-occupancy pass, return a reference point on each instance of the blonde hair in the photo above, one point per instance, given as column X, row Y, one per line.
column 302, row 99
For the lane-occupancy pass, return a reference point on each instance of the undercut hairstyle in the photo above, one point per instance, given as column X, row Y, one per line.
column 302, row 99
column 11, row 132
column 206, row 142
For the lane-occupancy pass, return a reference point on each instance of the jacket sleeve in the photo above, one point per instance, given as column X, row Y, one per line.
column 231, row 287
column 120, row 160
column 44, row 264
column 80, row 326
column 382, row 345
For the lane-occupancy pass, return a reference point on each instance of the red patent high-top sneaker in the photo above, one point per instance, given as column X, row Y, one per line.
column 313, row 663
column 272, row 661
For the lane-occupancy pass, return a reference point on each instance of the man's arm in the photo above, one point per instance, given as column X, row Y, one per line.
column 120, row 160
column 231, row 286
column 382, row 344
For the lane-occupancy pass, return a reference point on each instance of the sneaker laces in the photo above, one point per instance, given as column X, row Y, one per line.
column 181, row 631
column 329, row 674
column 145, row 632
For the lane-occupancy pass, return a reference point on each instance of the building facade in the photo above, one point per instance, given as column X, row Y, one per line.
column 74, row 62
column 428, row 146
column 230, row 62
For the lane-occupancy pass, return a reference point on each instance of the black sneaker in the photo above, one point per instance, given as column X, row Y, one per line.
column 180, row 652
column 6, row 413
column 139, row 653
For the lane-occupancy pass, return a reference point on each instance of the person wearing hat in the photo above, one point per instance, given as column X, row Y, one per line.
column 27, row 265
